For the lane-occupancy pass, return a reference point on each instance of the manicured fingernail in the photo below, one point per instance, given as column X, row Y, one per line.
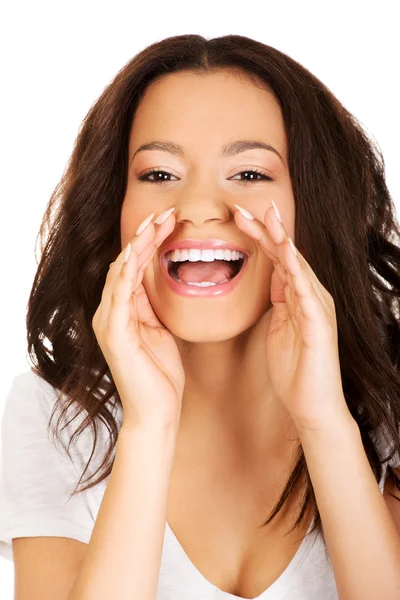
column 164, row 216
column 292, row 246
column 276, row 211
column 244, row 212
column 127, row 252
column 143, row 225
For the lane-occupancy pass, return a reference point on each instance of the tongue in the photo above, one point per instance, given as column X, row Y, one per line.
column 215, row 271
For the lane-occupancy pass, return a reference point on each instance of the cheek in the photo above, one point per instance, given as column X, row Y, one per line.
column 132, row 215
column 127, row 219
column 284, row 201
column 135, row 209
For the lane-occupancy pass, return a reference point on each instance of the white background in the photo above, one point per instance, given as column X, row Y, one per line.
column 57, row 57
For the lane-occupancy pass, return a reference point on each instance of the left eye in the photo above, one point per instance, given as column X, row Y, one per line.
column 253, row 173
column 161, row 176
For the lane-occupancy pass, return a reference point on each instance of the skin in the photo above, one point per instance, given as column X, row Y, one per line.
column 233, row 429
column 221, row 340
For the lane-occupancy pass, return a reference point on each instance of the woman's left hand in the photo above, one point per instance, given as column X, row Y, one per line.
column 301, row 345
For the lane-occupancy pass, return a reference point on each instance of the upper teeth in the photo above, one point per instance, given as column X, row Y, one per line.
column 205, row 255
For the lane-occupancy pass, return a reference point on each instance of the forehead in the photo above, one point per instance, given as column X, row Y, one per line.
column 219, row 105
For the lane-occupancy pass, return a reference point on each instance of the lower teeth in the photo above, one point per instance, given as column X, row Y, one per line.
column 203, row 283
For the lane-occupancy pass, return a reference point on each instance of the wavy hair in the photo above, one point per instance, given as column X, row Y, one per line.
column 345, row 227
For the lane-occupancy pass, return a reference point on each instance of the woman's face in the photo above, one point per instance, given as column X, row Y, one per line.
column 203, row 113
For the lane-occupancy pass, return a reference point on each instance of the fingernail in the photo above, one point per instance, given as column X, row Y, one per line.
column 144, row 224
column 276, row 211
column 244, row 212
column 164, row 216
column 127, row 252
column 292, row 246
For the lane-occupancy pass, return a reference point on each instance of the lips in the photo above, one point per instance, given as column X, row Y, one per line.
column 209, row 244
column 205, row 244
column 183, row 289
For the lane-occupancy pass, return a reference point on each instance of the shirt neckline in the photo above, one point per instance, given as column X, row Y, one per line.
column 274, row 587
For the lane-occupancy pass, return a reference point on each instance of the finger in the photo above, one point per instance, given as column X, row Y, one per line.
column 149, row 254
column 257, row 230
column 123, row 312
column 300, row 289
column 124, row 307
column 143, row 247
column 280, row 235
column 281, row 271
column 273, row 238
column 162, row 232
column 114, row 272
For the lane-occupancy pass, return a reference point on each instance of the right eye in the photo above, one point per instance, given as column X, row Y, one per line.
column 159, row 179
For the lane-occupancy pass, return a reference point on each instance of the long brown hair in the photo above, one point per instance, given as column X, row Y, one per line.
column 345, row 227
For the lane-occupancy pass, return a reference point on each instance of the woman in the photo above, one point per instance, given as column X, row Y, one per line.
column 212, row 291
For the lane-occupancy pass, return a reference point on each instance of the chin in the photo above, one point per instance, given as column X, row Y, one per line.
column 199, row 336
column 207, row 320
column 198, row 325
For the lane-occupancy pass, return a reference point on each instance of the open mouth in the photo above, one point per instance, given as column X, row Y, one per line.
column 212, row 271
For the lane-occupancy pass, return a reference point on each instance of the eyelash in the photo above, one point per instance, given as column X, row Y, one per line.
column 144, row 176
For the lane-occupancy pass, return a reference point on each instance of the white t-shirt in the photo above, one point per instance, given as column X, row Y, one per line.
column 36, row 478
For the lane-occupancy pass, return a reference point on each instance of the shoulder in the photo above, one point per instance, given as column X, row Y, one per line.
column 30, row 430
column 39, row 462
column 27, row 394
column 25, row 439
column 27, row 405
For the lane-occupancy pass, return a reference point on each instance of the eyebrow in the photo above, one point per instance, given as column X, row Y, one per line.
column 230, row 149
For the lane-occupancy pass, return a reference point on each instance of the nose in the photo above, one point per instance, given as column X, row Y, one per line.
column 199, row 209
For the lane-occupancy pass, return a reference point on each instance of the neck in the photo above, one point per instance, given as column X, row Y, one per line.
column 228, row 399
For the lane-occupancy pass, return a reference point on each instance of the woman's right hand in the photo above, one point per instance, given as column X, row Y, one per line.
column 141, row 353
